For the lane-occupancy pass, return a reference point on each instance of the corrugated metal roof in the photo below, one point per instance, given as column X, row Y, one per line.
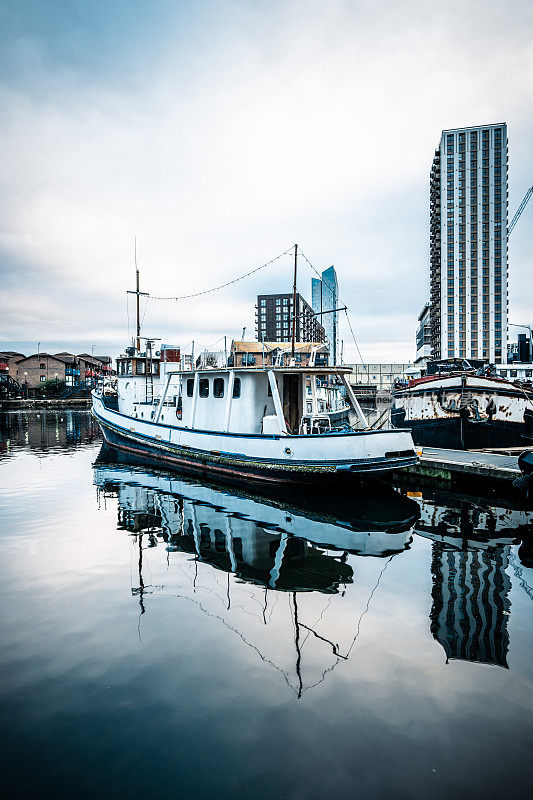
column 258, row 347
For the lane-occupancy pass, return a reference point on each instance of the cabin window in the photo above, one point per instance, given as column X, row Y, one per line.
column 190, row 387
column 127, row 365
column 155, row 367
column 139, row 368
column 218, row 387
column 237, row 387
column 204, row 387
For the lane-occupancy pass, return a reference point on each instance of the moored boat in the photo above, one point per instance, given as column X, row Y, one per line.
column 456, row 406
column 280, row 420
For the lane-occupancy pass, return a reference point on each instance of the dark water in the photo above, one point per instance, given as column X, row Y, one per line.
column 167, row 638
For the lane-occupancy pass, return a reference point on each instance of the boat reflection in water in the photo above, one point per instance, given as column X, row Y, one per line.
column 471, row 558
column 299, row 584
column 283, row 549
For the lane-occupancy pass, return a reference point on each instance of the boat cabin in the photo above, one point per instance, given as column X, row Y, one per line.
column 271, row 401
column 283, row 394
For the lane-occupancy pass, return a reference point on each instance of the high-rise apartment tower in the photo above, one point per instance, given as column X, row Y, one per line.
column 325, row 298
column 274, row 315
column 468, row 244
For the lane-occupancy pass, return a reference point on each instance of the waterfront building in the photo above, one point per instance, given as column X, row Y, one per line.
column 423, row 336
column 325, row 298
column 378, row 376
column 33, row 371
column 274, row 315
column 468, row 244
column 8, row 362
column 515, row 371
column 521, row 351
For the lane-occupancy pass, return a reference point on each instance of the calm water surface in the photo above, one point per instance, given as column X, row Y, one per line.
column 169, row 638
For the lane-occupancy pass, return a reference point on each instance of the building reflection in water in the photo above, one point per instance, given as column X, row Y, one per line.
column 284, row 551
column 471, row 562
column 46, row 429
column 471, row 604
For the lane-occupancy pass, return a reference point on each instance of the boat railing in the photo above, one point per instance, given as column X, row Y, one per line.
column 315, row 423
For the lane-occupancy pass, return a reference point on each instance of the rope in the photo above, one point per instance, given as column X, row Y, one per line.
column 353, row 334
column 223, row 285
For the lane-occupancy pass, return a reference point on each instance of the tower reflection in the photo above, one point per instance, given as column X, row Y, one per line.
column 471, row 603
column 472, row 560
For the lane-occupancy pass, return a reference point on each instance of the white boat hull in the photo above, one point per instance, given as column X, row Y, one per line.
column 270, row 458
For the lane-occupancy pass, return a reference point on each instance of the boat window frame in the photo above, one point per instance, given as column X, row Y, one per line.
column 218, row 387
column 236, row 388
column 190, row 387
column 203, row 387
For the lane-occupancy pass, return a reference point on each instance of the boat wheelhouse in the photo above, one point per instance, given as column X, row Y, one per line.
column 274, row 421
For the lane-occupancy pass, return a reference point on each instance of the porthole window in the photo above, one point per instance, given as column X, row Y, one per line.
column 204, row 387
column 218, row 387
column 237, row 387
column 190, row 387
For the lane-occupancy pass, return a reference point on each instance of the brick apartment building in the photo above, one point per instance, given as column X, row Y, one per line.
column 33, row 371
column 8, row 362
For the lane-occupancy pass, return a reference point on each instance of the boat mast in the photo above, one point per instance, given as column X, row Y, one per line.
column 138, row 294
column 137, row 300
column 294, row 300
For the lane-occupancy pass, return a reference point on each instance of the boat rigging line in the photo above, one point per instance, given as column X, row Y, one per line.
column 294, row 248
column 228, row 283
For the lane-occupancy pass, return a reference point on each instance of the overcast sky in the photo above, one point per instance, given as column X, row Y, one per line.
column 220, row 133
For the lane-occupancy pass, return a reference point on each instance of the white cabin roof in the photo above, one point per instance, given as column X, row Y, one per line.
column 297, row 370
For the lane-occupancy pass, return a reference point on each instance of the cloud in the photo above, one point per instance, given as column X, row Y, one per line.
column 221, row 135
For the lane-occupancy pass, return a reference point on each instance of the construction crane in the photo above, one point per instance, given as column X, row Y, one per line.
column 521, row 207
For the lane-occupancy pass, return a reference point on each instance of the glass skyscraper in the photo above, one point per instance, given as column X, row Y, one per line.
column 468, row 244
column 325, row 297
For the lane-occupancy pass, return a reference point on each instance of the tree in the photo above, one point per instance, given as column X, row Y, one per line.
column 54, row 387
